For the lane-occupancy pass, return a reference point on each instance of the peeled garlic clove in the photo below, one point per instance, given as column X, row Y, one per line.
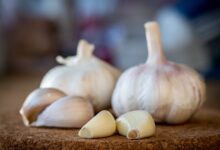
column 84, row 75
column 170, row 92
column 37, row 101
column 68, row 112
column 136, row 124
column 102, row 125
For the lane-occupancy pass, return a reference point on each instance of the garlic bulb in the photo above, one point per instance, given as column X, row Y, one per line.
column 136, row 124
column 84, row 75
column 50, row 107
column 102, row 125
column 170, row 92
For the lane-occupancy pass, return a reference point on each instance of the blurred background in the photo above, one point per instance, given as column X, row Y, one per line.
column 34, row 32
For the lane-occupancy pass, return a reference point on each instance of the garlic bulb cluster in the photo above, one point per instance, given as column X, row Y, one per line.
column 52, row 108
column 170, row 92
column 84, row 75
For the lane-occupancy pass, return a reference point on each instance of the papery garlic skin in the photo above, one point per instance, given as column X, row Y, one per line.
column 136, row 124
column 170, row 92
column 37, row 101
column 68, row 112
column 84, row 75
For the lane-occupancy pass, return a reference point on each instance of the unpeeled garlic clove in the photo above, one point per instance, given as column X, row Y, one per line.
column 136, row 124
column 102, row 125
column 68, row 112
column 38, row 100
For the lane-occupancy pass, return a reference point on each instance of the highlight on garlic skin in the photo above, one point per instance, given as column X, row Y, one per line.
column 136, row 124
column 84, row 75
column 102, row 125
column 52, row 108
column 170, row 92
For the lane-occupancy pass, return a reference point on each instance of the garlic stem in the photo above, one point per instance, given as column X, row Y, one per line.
column 155, row 51
column 84, row 49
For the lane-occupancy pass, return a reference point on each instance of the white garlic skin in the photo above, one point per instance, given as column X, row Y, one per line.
column 170, row 92
column 37, row 101
column 84, row 75
column 52, row 108
column 66, row 112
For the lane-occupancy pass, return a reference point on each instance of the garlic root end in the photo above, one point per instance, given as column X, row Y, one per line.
column 133, row 134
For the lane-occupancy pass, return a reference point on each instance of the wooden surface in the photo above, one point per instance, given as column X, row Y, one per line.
column 201, row 132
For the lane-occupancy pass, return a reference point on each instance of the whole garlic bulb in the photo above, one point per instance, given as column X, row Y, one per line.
column 84, row 75
column 170, row 92
column 52, row 108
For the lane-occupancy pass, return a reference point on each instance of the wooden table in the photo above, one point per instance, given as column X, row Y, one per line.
column 201, row 132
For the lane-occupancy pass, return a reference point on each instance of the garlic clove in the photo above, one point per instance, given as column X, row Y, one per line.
column 136, row 124
column 102, row 125
column 37, row 101
column 68, row 112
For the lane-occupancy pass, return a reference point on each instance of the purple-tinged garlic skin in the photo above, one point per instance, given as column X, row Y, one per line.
column 170, row 92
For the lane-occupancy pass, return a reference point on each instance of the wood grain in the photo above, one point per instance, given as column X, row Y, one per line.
column 201, row 132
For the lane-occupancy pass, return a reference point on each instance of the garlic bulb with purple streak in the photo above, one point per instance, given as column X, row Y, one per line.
column 170, row 92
